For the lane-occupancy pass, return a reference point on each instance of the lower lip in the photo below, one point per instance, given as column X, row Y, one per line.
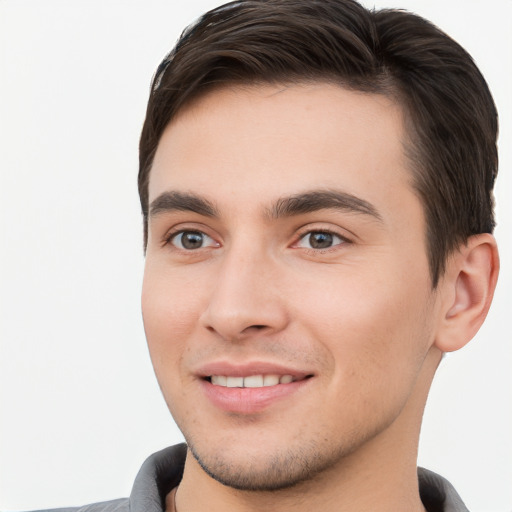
column 249, row 400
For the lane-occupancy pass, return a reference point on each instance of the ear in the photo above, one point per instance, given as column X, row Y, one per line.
column 468, row 287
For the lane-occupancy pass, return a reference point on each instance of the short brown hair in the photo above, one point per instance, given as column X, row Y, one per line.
column 451, row 117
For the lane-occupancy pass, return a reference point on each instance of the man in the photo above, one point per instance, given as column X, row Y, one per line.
column 316, row 184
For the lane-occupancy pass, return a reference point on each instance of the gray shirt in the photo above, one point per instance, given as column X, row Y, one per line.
column 161, row 472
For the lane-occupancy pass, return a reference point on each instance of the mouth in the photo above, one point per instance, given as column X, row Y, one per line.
column 253, row 381
column 251, row 388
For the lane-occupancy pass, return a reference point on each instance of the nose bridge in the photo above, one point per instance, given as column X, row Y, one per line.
column 244, row 297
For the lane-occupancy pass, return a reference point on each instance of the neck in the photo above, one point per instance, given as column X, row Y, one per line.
column 380, row 475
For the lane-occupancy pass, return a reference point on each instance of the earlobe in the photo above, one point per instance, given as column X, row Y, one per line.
column 469, row 286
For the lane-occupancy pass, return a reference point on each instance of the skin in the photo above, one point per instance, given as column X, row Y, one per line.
column 360, row 317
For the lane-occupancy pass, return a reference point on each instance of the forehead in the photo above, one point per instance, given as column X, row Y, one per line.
column 276, row 138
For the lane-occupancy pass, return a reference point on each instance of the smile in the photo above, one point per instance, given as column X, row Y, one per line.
column 251, row 381
column 254, row 393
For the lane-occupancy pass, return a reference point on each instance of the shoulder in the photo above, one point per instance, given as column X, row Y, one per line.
column 438, row 494
column 120, row 505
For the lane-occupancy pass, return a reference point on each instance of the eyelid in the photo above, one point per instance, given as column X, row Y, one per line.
column 305, row 230
column 337, row 240
column 207, row 241
column 309, row 229
column 184, row 228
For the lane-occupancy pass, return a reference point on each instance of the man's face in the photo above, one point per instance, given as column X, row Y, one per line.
column 285, row 244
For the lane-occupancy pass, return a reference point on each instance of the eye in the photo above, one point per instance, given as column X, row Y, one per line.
column 320, row 240
column 190, row 240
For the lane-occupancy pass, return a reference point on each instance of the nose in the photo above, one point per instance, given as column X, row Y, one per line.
column 246, row 299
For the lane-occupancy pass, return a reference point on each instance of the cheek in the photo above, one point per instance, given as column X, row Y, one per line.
column 375, row 326
column 171, row 313
column 170, row 310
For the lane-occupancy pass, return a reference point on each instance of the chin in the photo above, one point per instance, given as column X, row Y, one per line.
column 282, row 469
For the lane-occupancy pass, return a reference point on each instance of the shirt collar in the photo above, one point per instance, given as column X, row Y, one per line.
column 163, row 471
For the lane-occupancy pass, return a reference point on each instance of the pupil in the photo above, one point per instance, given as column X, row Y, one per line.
column 320, row 240
column 191, row 240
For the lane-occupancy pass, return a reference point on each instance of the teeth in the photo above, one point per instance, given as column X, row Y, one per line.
column 252, row 381
column 219, row 380
column 235, row 382
column 271, row 380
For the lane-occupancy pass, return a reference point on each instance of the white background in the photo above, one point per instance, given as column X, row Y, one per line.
column 80, row 408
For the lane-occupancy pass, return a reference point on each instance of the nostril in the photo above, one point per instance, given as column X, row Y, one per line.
column 253, row 329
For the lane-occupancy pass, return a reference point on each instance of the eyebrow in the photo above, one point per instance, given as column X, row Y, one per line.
column 182, row 201
column 316, row 200
column 297, row 204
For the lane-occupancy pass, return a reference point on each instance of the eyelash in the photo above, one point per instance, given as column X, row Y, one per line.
column 168, row 240
column 343, row 240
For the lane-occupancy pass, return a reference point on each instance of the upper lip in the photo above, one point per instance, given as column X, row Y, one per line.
column 248, row 369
